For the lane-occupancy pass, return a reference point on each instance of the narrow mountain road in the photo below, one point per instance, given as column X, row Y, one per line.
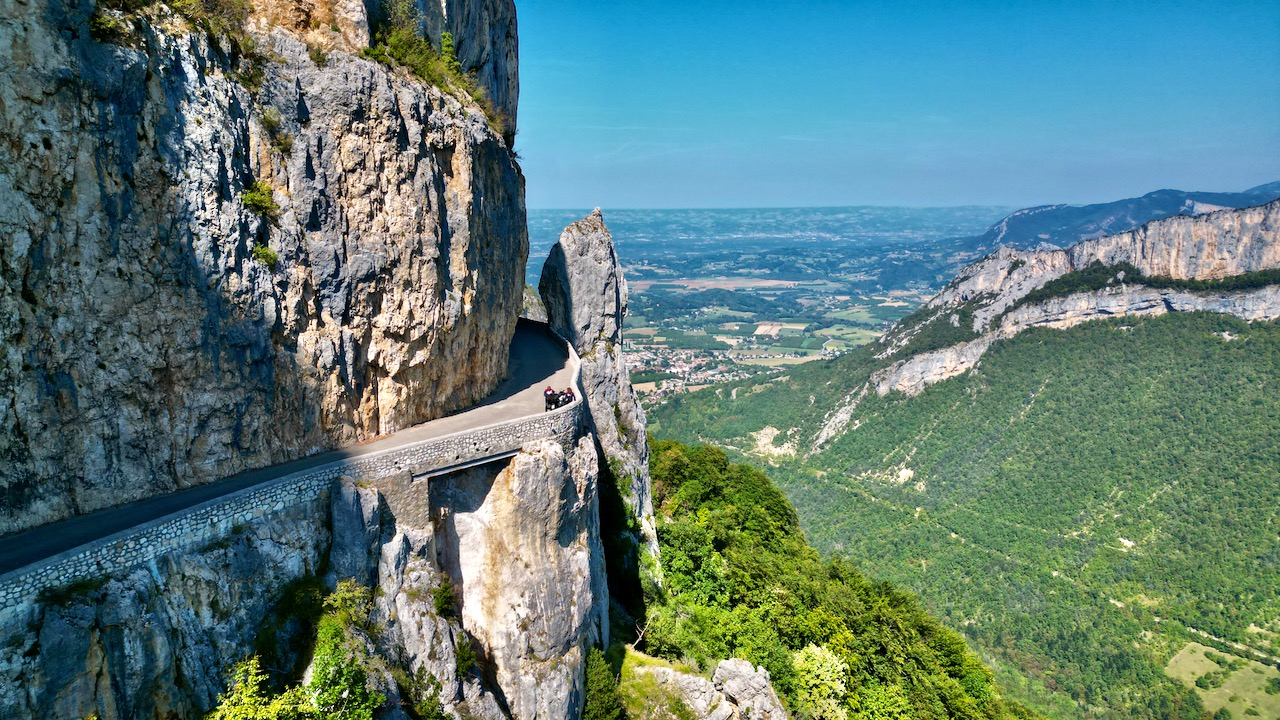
column 538, row 359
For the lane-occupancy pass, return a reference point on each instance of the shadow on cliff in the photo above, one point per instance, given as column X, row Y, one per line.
column 620, row 537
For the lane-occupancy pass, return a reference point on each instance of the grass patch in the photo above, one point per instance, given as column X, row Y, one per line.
column 1234, row 683
column 643, row 697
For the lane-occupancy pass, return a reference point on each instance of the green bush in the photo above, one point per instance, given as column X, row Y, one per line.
column 259, row 199
column 265, row 255
column 442, row 599
column 466, row 655
column 106, row 27
column 449, row 55
column 318, row 55
column 247, row 698
column 339, row 681
column 340, row 687
column 422, row 691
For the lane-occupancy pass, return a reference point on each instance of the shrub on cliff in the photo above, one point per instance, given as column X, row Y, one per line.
column 340, row 687
column 258, row 199
column 247, row 698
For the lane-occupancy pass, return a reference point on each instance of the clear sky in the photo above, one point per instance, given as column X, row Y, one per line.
column 718, row 103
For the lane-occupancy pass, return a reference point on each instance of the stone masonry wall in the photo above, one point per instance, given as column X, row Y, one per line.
column 215, row 519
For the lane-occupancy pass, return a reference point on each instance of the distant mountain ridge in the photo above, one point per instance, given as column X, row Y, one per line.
column 1064, row 225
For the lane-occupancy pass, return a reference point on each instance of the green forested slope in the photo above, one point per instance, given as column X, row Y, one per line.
column 1070, row 505
column 741, row 581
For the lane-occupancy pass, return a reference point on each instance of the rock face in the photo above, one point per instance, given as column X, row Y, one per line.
column 522, row 548
column 1203, row 247
column 149, row 342
column 1221, row 244
column 156, row 642
column 749, row 689
column 585, row 297
column 484, row 34
column 517, row 543
column 914, row 374
column 486, row 44
column 737, row 691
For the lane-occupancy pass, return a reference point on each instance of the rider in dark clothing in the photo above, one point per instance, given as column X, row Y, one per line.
column 549, row 396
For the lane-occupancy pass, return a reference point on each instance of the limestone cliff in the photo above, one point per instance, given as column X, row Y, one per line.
column 1211, row 246
column 516, row 542
column 221, row 255
column 519, row 544
column 585, row 296
column 1203, row 247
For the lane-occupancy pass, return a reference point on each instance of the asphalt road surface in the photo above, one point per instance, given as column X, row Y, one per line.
column 537, row 360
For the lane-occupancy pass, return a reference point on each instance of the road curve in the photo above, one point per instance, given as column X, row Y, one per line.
column 538, row 359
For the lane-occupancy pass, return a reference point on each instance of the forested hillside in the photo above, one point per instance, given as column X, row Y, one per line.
column 741, row 581
column 1073, row 505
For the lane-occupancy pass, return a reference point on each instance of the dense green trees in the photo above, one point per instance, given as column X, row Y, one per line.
column 741, row 581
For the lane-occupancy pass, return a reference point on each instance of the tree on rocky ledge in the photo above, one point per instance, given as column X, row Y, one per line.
column 602, row 689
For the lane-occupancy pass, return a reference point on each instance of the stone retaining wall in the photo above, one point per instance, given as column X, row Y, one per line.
column 202, row 524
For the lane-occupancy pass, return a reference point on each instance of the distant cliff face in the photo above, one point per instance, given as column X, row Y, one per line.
column 1208, row 247
column 1204, row 247
column 165, row 322
column 1064, row 225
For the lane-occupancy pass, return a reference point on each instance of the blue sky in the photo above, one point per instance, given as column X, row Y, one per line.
column 783, row 103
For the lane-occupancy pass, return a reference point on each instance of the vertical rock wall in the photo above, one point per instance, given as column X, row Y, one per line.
column 518, row 545
column 147, row 343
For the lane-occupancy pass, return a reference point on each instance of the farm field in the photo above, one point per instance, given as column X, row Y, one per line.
column 717, row 295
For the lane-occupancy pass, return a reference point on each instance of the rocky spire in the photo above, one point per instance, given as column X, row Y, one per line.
column 586, row 299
